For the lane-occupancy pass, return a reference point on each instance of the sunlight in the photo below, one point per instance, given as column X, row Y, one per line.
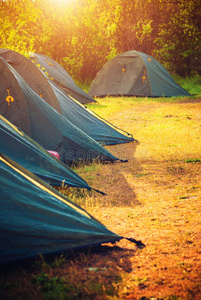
column 61, row 2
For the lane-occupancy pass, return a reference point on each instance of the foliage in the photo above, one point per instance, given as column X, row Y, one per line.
column 54, row 288
column 18, row 25
column 191, row 84
column 83, row 34
column 194, row 161
column 179, row 39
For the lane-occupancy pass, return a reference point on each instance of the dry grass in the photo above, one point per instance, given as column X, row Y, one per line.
column 155, row 197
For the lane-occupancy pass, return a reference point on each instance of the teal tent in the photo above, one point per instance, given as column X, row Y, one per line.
column 32, row 76
column 60, row 76
column 134, row 73
column 36, row 219
column 92, row 124
column 12, row 102
column 20, row 148
column 35, row 117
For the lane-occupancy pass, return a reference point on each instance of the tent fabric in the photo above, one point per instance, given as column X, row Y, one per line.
column 20, row 148
column 48, row 127
column 134, row 73
column 98, row 129
column 15, row 111
column 36, row 219
column 93, row 125
column 32, row 76
column 61, row 77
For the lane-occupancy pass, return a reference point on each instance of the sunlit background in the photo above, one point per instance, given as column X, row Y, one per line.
column 82, row 35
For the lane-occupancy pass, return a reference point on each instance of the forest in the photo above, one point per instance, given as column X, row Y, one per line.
column 82, row 35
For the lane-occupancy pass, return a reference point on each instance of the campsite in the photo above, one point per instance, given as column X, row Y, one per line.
column 100, row 150
column 154, row 197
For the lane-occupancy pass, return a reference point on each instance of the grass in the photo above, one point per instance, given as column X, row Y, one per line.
column 192, row 84
column 155, row 197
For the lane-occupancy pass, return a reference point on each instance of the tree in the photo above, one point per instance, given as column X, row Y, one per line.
column 179, row 40
column 18, row 25
column 82, row 35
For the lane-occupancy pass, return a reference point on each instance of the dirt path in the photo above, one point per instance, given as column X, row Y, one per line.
column 157, row 200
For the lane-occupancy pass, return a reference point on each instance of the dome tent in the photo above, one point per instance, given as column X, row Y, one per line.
column 36, row 220
column 96, row 127
column 32, row 75
column 93, row 125
column 61, row 77
column 35, row 117
column 20, row 148
column 134, row 73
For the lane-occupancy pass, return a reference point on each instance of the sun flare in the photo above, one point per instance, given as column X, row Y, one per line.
column 64, row 1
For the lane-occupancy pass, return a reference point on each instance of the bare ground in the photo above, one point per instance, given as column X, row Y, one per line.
column 155, row 197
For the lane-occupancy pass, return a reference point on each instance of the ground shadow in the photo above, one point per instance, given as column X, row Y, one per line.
column 119, row 184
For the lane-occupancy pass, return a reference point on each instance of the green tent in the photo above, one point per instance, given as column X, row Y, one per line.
column 80, row 116
column 96, row 127
column 36, row 219
column 22, row 149
column 31, row 114
column 60, row 76
column 32, row 75
column 134, row 73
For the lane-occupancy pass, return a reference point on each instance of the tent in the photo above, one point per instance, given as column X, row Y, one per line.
column 32, row 75
column 35, row 117
column 93, row 125
column 36, row 219
column 60, row 76
column 20, row 148
column 134, row 73
column 12, row 102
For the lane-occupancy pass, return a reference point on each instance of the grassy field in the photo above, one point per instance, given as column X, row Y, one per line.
column 155, row 197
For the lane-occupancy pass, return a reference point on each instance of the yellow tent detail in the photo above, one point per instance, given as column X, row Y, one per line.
column 144, row 77
column 49, row 63
column 9, row 98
